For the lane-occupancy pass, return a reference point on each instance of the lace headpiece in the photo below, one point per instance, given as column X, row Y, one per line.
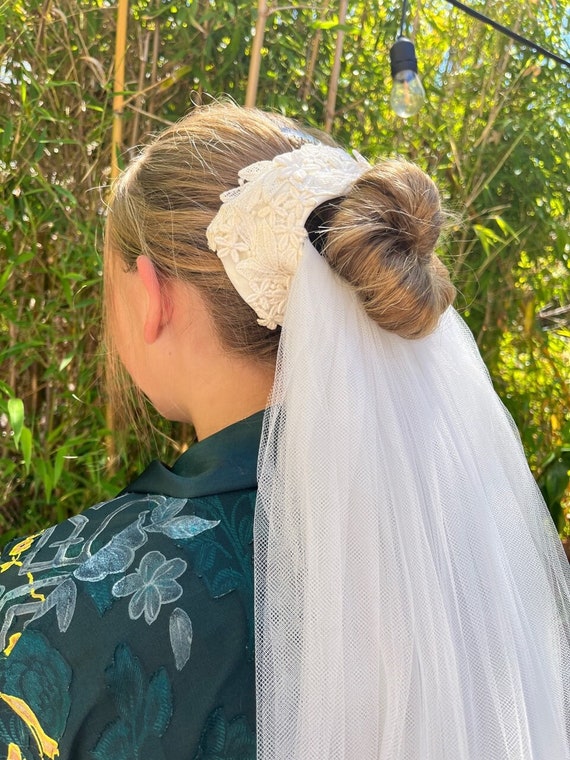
column 259, row 231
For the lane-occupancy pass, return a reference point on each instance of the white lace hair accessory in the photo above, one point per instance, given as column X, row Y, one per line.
column 259, row 231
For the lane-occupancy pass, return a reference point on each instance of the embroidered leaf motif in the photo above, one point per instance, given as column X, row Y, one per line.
column 180, row 637
column 225, row 581
column 101, row 595
column 246, row 530
column 144, row 711
column 158, row 709
column 223, row 740
column 116, row 556
column 63, row 598
column 163, row 519
column 114, row 742
column 183, row 527
column 167, row 508
column 125, row 678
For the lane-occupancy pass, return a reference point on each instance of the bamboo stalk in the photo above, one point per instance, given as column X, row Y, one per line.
column 255, row 58
column 312, row 62
column 151, row 108
column 116, row 141
column 310, row 68
column 139, row 99
column 119, row 86
column 335, row 73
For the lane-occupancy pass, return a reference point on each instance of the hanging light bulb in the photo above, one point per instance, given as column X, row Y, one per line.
column 408, row 95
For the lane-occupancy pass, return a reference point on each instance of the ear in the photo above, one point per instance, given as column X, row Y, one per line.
column 159, row 309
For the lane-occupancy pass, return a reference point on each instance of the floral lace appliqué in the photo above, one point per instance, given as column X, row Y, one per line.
column 259, row 232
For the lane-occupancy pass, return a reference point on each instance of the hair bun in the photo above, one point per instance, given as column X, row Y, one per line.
column 381, row 238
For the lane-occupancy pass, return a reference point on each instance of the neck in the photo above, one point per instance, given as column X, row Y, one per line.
column 233, row 392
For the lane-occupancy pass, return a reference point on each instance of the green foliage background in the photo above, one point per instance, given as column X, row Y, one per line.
column 494, row 134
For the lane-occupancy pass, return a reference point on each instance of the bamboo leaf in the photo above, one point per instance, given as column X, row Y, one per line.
column 16, row 417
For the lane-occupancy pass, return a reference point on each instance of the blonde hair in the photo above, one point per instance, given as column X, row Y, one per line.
column 381, row 237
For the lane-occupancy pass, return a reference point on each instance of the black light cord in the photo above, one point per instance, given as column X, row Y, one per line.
column 403, row 20
column 505, row 30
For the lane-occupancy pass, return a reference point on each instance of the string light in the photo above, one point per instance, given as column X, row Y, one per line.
column 408, row 95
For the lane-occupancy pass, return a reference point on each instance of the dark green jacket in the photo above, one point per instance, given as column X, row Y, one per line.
column 127, row 630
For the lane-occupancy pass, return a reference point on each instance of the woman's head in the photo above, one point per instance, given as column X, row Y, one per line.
column 380, row 236
column 163, row 203
column 160, row 208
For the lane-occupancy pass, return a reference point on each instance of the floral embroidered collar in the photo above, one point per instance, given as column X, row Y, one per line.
column 223, row 462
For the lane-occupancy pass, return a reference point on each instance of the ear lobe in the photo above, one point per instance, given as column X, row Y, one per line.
column 159, row 309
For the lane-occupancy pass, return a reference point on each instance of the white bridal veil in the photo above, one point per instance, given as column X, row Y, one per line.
column 412, row 596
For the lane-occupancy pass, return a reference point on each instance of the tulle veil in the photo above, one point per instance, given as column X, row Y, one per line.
column 412, row 596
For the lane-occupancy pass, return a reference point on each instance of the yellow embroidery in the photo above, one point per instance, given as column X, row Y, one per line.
column 47, row 746
column 11, row 643
column 14, row 752
column 16, row 552
column 24, row 544
column 33, row 592
column 7, row 565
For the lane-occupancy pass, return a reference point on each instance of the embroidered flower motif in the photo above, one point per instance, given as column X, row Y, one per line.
column 259, row 232
column 152, row 585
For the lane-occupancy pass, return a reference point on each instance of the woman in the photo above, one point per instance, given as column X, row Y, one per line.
column 406, row 595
